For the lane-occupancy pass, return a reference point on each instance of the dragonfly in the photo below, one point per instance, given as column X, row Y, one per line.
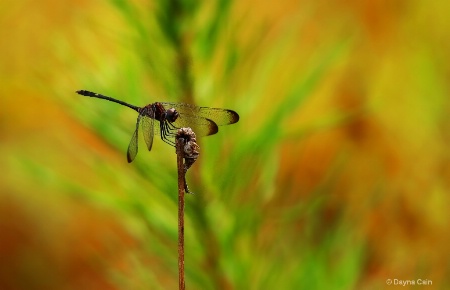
column 166, row 118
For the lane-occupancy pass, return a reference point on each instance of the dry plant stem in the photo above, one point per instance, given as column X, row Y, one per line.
column 181, row 182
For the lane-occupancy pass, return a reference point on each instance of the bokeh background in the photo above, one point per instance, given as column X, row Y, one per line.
column 337, row 175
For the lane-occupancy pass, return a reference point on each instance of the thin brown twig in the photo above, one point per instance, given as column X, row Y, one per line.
column 187, row 154
column 181, row 183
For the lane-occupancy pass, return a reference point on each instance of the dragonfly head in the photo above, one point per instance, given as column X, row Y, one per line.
column 171, row 115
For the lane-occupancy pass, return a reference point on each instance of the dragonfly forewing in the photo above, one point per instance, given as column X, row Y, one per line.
column 148, row 130
column 219, row 116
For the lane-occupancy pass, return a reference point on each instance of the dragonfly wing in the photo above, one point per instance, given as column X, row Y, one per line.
column 201, row 126
column 219, row 116
column 148, row 131
column 133, row 146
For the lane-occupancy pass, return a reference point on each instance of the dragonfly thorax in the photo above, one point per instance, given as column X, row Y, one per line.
column 158, row 112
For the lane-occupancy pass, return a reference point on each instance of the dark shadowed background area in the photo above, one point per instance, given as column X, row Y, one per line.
column 337, row 175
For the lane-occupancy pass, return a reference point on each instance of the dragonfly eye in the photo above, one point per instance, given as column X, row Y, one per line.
column 171, row 115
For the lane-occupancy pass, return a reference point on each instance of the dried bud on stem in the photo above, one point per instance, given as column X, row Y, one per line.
column 190, row 150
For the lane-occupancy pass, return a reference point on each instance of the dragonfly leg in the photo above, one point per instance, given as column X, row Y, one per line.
column 171, row 134
column 171, row 129
column 165, row 133
column 171, row 126
column 170, row 142
column 167, row 129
